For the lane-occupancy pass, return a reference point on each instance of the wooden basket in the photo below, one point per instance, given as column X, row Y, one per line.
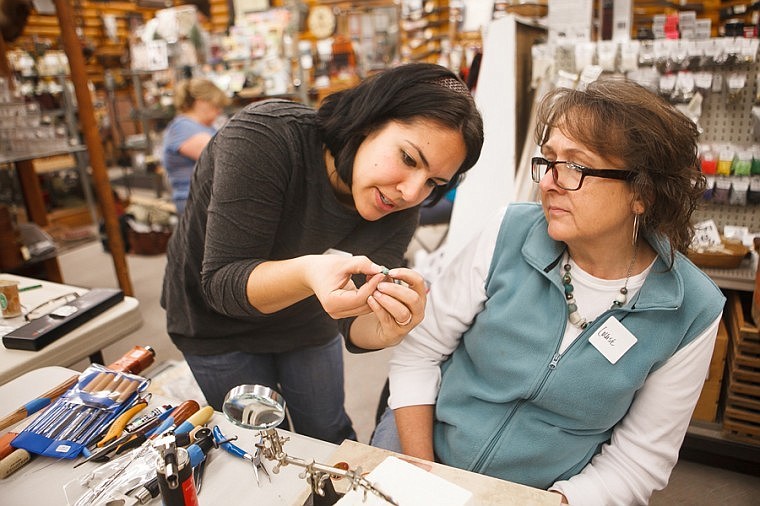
column 730, row 258
column 148, row 243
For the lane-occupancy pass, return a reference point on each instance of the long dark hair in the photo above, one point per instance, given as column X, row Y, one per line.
column 406, row 93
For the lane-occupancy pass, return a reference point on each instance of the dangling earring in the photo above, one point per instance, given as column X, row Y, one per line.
column 635, row 228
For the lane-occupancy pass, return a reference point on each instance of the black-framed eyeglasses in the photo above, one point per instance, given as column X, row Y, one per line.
column 569, row 175
column 49, row 306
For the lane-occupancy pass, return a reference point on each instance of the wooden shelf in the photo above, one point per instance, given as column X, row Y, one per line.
column 706, row 444
column 41, row 153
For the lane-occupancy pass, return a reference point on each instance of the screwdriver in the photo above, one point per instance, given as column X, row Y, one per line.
column 200, row 417
column 177, row 416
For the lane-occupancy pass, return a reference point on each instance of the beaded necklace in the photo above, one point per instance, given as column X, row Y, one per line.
column 574, row 316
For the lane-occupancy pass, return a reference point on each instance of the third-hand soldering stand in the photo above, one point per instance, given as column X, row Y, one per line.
column 317, row 475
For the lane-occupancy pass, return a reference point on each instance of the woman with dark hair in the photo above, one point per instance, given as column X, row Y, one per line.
column 567, row 347
column 292, row 213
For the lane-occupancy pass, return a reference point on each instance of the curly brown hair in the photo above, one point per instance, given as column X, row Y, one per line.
column 621, row 120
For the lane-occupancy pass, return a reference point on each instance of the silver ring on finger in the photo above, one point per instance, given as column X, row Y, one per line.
column 405, row 322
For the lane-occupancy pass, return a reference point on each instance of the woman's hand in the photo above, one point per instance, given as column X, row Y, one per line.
column 329, row 277
column 396, row 309
column 399, row 301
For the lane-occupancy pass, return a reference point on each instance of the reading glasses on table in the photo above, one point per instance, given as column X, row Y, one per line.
column 57, row 306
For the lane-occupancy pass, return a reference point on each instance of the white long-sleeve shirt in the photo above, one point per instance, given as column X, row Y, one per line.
column 644, row 446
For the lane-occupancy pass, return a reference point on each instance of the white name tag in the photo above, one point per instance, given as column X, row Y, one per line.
column 612, row 340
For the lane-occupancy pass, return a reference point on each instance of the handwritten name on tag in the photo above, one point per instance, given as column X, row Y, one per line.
column 612, row 340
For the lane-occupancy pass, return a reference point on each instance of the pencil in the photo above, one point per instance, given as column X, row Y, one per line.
column 30, row 287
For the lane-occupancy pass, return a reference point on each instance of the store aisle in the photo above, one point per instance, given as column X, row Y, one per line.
column 691, row 484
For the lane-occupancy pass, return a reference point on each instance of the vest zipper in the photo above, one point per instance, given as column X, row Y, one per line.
column 497, row 435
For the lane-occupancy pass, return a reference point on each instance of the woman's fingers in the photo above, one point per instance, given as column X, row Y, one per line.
column 399, row 293
column 349, row 300
column 398, row 304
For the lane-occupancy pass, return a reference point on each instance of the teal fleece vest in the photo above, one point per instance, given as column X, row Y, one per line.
column 510, row 405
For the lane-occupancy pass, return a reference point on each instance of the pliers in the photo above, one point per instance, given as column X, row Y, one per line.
column 254, row 459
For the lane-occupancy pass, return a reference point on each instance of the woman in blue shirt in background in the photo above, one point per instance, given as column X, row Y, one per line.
column 199, row 103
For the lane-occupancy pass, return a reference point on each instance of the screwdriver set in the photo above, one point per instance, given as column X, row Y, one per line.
column 74, row 419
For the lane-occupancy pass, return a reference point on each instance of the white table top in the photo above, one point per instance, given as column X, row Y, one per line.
column 90, row 337
column 227, row 480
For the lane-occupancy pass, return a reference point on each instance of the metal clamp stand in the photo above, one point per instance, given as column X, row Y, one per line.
column 317, row 475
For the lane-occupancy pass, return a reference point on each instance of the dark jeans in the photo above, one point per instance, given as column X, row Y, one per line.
column 310, row 380
column 386, row 433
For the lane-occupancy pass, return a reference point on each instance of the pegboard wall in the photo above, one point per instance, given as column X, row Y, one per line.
column 727, row 117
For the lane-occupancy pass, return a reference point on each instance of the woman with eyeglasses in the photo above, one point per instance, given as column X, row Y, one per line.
column 566, row 348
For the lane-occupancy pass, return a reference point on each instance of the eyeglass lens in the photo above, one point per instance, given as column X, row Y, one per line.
column 564, row 175
column 49, row 306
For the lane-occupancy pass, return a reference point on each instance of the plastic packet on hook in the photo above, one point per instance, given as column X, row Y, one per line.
column 67, row 425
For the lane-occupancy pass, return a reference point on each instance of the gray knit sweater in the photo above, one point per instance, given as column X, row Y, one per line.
column 260, row 192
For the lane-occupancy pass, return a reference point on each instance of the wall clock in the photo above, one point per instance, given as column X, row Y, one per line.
column 321, row 21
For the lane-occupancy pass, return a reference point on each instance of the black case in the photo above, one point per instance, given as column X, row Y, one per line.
column 38, row 333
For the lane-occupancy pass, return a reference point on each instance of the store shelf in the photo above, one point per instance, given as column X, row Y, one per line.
column 706, row 443
column 741, row 278
column 40, row 153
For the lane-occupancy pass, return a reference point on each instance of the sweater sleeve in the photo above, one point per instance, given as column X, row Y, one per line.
column 644, row 446
column 455, row 298
column 250, row 158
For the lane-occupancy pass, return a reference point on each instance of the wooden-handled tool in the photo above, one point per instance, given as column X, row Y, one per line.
column 14, row 462
column 38, row 403
column 177, row 416
column 5, row 440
